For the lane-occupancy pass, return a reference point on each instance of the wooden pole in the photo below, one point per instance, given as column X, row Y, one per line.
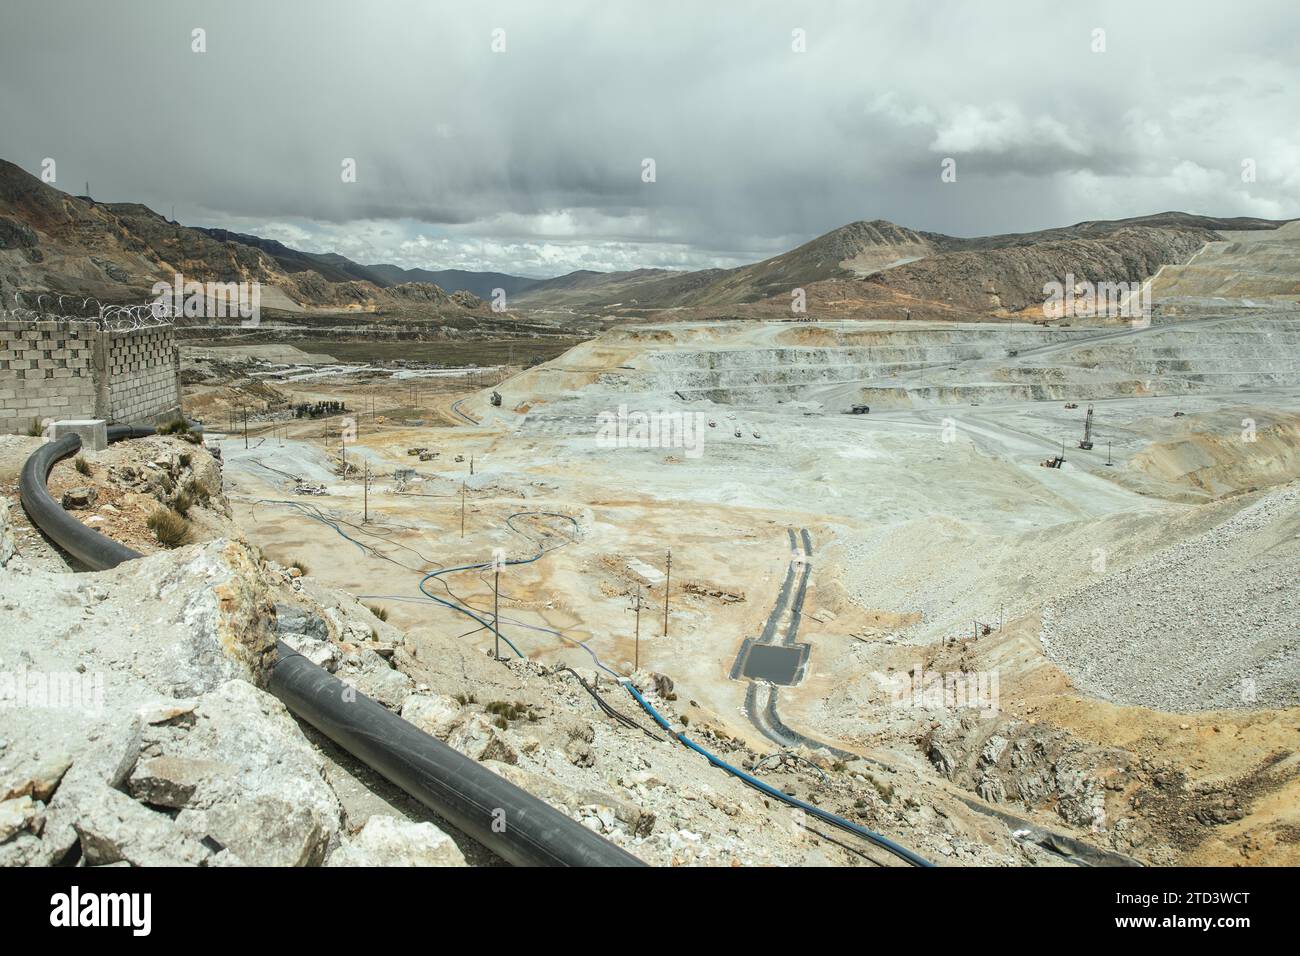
column 462, row 511
column 668, row 580
column 496, row 607
column 636, row 654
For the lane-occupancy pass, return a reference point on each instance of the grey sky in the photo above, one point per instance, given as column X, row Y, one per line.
column 529, row 161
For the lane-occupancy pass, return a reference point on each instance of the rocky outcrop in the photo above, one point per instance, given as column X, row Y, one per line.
column 243, row 777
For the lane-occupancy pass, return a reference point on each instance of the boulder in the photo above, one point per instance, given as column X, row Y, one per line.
column 371, row 675
column 291, row 619
column 172, row 781
column 78, row 499
column 114, row 828
column 214, row 608
column 388, row 841
column 242, row 775
column 37, row 779
column 18, row 815
column 435, row 714
column 478, row 739
column 322, row 653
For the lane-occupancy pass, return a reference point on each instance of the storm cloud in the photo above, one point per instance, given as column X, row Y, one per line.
column 529, row 160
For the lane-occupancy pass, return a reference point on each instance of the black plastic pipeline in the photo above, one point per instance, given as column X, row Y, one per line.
column 88, row 546
column 507, row 820
column 85, row 544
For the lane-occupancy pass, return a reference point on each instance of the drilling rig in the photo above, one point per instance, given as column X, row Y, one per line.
column 1086, row 443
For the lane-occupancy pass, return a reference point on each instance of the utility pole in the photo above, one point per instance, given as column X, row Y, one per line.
column 365, row 494
column 496, row 605
column 462, row 511
column 668, row 580
column 636, row 653
column 245, row 411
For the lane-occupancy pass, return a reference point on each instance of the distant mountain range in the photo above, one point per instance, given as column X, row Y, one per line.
column 52, row 241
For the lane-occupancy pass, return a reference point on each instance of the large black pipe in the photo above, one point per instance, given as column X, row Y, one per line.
column 86, row 545
column 507, row 820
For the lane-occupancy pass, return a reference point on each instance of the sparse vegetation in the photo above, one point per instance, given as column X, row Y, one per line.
column 171, row 529
column 464, row 699
column 184, row 459
column 301, row 566
column 83, row 466
column 508, row 711
column 182, row 503
column 377, row 611
column 199, row 492
column 177, row 426
column 34, row 430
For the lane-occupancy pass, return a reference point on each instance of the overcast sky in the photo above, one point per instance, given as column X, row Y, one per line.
column 529, row 161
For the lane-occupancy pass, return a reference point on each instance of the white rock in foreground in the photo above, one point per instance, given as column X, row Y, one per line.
column 387, row 841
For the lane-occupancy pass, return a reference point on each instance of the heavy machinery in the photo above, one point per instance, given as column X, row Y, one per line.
column 1086, row 442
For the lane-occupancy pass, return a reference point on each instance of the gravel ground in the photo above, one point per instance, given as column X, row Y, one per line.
column 1210, row 623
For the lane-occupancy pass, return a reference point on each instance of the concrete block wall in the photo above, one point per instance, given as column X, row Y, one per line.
column 47, row 370
column 144, row 375
column 56, row 370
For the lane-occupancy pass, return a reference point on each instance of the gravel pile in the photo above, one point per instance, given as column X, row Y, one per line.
column 1210, row 623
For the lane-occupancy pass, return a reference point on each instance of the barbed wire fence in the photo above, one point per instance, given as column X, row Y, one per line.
column 52, row 307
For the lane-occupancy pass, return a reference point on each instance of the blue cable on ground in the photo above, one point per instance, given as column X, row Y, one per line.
column 870, row 835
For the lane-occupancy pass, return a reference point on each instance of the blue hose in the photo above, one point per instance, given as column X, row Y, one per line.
column 870, row 835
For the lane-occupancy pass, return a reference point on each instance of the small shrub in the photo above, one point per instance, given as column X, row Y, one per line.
column 177, row 426
column 377, row 611
column 184, row 459
column 510, row 711
column 182, row 503
column 200, row 492
column 301, row 567
column 686, row 720
column 464, row 699
column 34, row 430
column 83, row 466
column 170, row 528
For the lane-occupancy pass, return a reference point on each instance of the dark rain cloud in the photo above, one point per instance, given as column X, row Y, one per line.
column 530, row 160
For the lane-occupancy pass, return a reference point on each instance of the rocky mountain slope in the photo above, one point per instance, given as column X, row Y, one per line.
column 919, row 272
column 1010, row 278
column 51, row 241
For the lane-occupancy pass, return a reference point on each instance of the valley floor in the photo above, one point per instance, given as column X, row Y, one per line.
column 1129, row 619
